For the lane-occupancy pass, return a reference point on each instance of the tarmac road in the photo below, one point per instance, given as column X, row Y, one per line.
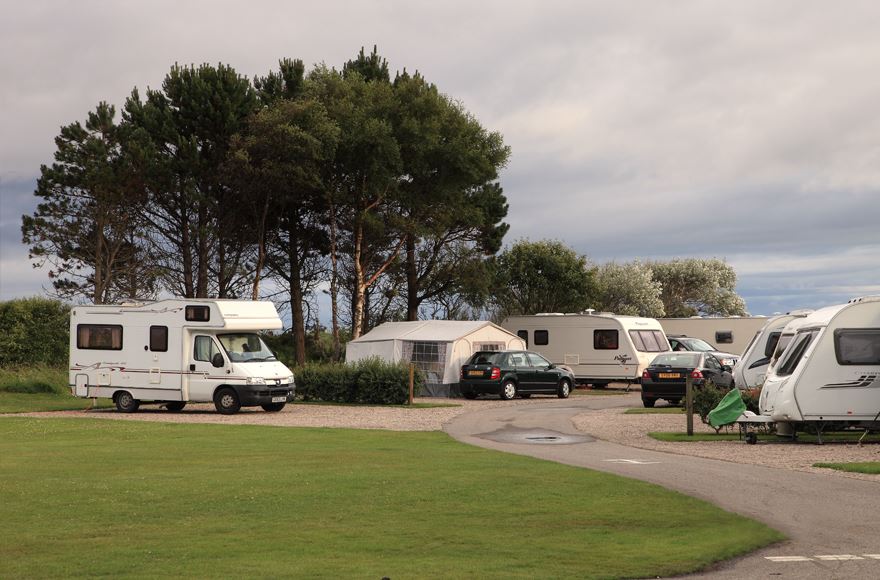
column 833, row 523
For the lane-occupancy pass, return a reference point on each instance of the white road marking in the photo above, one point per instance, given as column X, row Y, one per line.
column 872, row 556
column 632, row 461
column 836, row 557
column 788, row 559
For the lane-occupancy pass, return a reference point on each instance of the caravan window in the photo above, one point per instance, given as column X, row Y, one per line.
column 796, row 352
column 649, row 340
column 724, row 336
column 606, row 340
column 159, row 338
column 99, row 336
column 542, row 337
column 781, row 345
column 524, row 334
column 857, row 346
column 772, row 341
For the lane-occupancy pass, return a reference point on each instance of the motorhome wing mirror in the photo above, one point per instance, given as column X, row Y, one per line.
column 217, row 360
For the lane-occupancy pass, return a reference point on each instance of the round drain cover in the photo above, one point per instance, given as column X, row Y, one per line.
column 547, row 438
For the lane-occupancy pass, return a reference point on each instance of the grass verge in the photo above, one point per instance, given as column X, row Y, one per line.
column 872, row 467
column 37, row 402
column 655, row 411
column 677, row 437
column 37, row 379
column 111, row 498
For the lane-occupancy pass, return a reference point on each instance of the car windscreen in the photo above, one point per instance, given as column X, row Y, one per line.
column 486, row 358
column 677, row 359
column 699, row 344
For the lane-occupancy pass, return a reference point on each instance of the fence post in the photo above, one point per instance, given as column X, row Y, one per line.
column 412, row 371
column 689, row 403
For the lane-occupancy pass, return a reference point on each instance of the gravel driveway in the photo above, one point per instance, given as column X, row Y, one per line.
column 608, row 424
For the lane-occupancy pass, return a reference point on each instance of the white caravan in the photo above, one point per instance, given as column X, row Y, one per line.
column 751, row 368
column 728, row 333
column 829, row 374
column 599, row 348
column 178, row 351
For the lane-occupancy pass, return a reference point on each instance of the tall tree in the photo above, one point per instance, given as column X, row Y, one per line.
column 544, row 276
column 87, row 226
column 698, row 286
column 279, row 160
column 448, row 203
column 193, row 215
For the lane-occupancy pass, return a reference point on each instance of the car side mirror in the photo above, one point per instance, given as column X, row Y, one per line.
column 551, row 366
column 217, row 360
column 726, row 368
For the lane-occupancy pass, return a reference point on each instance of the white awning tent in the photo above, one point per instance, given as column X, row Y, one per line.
column 438, row 347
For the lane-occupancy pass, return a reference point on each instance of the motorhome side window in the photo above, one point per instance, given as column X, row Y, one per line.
column 542, row 337
column 205, row 348
column 606, row 340
column 524, row 334
column 198, row 313
column 99, row 336
column 796, row 352
column 649, row 340
column 159, row 338
column 857, row 346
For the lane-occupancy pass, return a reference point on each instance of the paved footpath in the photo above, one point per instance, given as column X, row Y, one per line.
column 833, row 523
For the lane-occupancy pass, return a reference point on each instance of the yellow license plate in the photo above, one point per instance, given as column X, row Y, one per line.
column 475, row 373
column 669, row 376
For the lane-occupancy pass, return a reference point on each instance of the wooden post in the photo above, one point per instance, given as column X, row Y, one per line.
column 689, row 404
column 412, row 372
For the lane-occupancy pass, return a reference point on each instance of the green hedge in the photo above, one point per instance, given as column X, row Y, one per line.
column 34, row 379
column 34, row 332
column 371, row 381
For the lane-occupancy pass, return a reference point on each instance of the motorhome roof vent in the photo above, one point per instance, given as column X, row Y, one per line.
column 550, row 314
column 132, row 303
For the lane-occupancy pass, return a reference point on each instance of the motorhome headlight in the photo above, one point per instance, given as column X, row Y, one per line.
column 289, row 380
column 256, row 381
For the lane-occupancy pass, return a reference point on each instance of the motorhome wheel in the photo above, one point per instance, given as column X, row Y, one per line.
column 564, row 389
column 273, row 407
column 175, row 406
column 508, row 390
column 226, row 401
column 125, row 403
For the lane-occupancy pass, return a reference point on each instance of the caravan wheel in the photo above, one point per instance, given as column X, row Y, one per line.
column 125, row 402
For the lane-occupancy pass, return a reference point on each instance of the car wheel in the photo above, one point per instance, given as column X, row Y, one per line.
column 273, row 407
column 226, row 401
column 125, row 402
column 564, row 389
column 470, row 395
column 508, row 390
column 175, row 406
column 526, row 396
column 648, row 402
column 674, row 402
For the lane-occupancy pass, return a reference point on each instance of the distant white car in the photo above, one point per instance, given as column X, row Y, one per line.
column 689, row 343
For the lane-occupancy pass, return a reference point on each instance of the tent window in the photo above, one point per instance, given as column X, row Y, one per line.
column 489, row 346
column 857, row 346
column 99, row 336
column 430, row 357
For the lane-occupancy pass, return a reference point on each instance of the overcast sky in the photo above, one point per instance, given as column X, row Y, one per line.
column 746, row 131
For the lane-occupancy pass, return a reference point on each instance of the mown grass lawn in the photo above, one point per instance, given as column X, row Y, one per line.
column 87, row 497
column 871, row 467
column 680, row 437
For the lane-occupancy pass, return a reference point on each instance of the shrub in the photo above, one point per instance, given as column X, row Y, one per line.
column 34, row 331
column 38, row 379
column 708, row 395
column 370, row 381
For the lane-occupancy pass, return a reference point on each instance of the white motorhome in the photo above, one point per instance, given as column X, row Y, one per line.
column 751, row 368
column 599, row 348
column 178, row 351
column 829, row 374
column 728, row 333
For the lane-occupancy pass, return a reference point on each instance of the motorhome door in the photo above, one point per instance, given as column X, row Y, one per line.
column 203, row 375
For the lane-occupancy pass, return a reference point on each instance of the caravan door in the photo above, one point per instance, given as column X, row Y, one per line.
column 203, row 375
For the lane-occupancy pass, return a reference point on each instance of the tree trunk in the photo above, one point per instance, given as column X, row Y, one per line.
column 202, row 241
column 296, row 299
column 261, row 251
column 412, row 279
column 334, row 289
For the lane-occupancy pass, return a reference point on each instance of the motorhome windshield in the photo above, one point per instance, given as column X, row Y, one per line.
column 245, row 347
